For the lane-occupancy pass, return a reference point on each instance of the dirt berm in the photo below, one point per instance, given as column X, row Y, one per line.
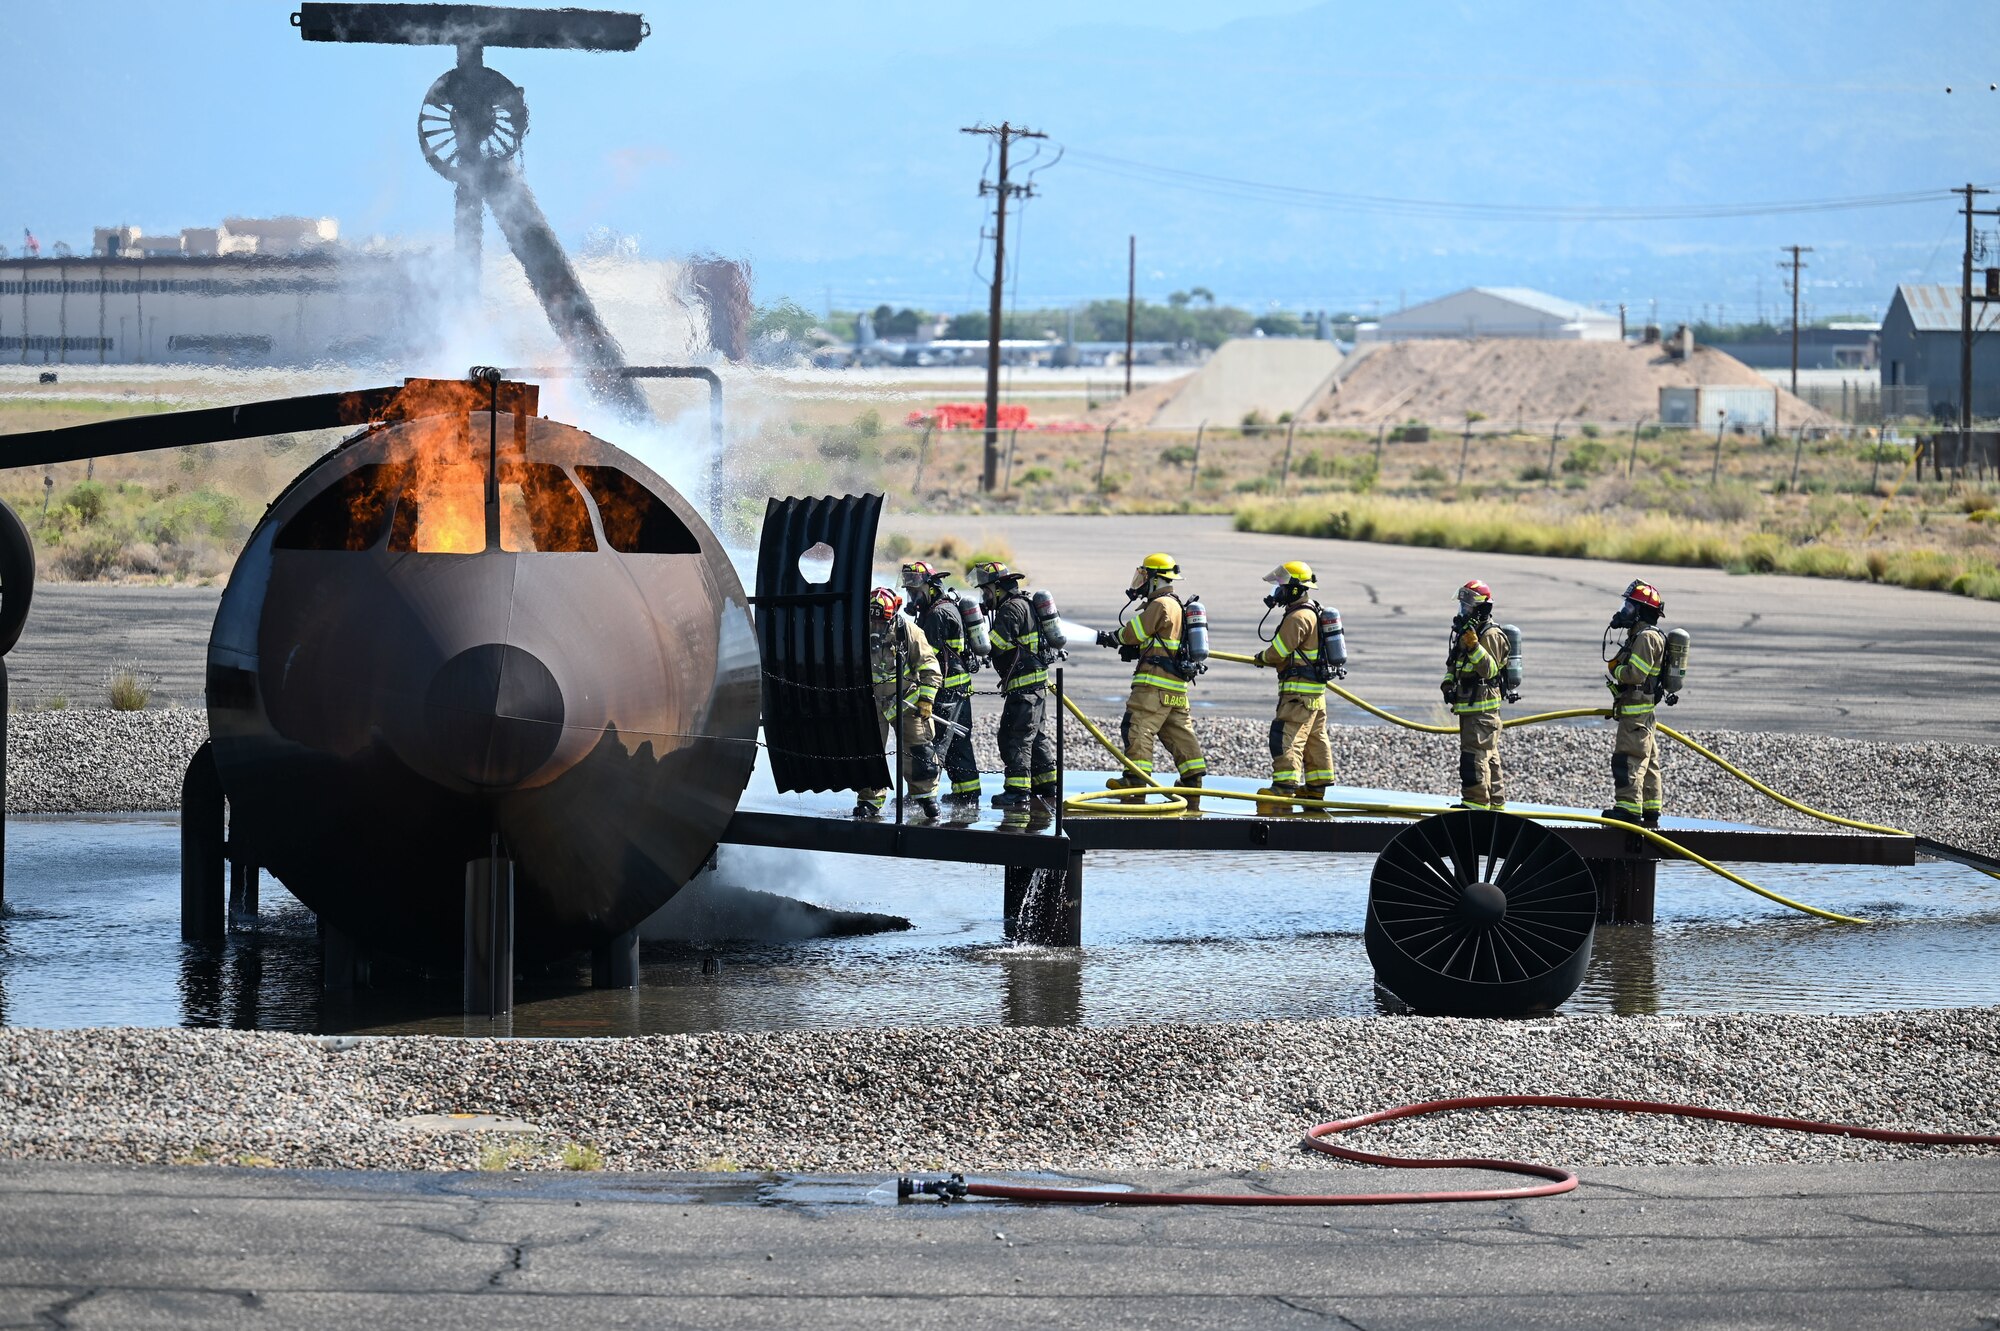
column 1531, row 383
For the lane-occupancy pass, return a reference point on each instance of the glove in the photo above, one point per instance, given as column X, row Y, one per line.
column 1340, row 672
column 1468, row 640
column 924, row 708
column 1107, row 638
column 1260, row 663
column 1450, row 691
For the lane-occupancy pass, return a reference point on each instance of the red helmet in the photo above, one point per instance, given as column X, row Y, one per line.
column 883, row 604
column 1475, row 593
column 1645, row 594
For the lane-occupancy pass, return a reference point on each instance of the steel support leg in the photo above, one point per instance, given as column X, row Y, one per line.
column 344, row 967
column 1044, row 907
column 1624, row 890
column 614, row 963
column 203, row 913
column 489, row 936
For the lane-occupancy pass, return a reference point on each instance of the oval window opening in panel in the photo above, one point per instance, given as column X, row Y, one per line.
column 636, row 521
column 816, row 564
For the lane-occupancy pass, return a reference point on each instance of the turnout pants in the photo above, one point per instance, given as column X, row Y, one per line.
column 959, row 764
column 1153, row 714
column 1026, row 748
column 916, row 756
column 1480, row 781
column 1300, row 755
column 1635, row 765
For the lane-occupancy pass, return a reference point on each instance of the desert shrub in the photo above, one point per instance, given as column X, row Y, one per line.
column 1428, row 474
column 92, row 555
column 1177, row 455
column 1036, row 476
column 125, row 692
column 1590, row 431
column 1587, row 458
column 87, row 499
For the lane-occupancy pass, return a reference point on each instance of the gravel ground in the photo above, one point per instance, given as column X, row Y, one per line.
column 1156, row 1097
column 1932, row 789
column 98, row 761
column 77, row 761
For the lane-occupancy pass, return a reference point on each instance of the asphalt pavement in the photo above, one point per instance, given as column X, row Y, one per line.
column 1772, row 653
column 1857, row 1245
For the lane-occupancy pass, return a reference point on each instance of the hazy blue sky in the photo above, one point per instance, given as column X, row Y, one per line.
column 819, row 140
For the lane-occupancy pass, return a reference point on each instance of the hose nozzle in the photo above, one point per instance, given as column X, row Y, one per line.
column 946, row 1190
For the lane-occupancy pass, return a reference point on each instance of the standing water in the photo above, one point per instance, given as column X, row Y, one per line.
column 91, row 937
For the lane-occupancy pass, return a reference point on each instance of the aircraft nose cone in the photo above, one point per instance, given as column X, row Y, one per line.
column 495, row 714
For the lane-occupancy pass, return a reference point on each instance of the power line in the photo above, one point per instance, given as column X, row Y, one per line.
column 1388, row 205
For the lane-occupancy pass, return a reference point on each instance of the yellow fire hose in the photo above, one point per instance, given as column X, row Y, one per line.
column 1173, row 799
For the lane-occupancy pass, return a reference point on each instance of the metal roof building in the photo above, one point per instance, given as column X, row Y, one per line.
column 1498, row 312
column 1920, row 348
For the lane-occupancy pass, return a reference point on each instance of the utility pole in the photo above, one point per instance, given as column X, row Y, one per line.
column 1796, row 264
column 1965, row 319
column 1004, row 134
column 1131, row 303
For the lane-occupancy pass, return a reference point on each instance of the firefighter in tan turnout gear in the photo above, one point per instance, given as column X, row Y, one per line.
column 1158, row 706
column 1307, row 650
column 1473, row 689
column 898, row 651
column 1634, row 678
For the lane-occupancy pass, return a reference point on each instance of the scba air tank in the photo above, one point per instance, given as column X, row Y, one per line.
column 977, row 641
column 1673, row 672
column 1332, row 639
column 1049, row 620
column 1194, row 632
column 1510, row 673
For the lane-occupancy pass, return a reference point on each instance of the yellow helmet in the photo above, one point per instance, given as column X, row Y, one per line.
column 1297, row 571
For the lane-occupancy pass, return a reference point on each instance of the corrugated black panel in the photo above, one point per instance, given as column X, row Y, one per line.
column 819, row 709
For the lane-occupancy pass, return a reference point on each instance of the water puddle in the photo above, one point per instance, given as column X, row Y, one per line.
column 91, row 937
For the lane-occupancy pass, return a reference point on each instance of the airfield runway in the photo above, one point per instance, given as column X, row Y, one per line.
column 1771, row 653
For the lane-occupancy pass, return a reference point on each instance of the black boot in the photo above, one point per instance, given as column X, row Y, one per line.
column 1193, row 801
column 863, row 809
column 1651, row 818
column 1623, row 816
column 1013, row 798
column 928, row 807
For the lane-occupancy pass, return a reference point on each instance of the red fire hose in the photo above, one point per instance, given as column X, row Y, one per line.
column 1560, row 1180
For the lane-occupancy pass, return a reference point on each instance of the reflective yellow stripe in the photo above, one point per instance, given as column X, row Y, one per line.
column 1641, row 664
column 955, row 682
column 1490, row 705
column 1634, row 708
column 1029, row 680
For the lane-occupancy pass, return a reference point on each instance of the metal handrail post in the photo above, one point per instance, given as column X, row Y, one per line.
column 1061, row 785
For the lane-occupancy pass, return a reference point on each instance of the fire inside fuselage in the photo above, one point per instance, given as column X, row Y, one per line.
column 409, row 662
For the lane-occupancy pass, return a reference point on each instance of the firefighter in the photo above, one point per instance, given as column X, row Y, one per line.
column 897, row 652
column 1472, row 689
column 1301, row 758
column 1633, row 676
column 1022, row 662
column 1157, row 709
column 937, row 614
